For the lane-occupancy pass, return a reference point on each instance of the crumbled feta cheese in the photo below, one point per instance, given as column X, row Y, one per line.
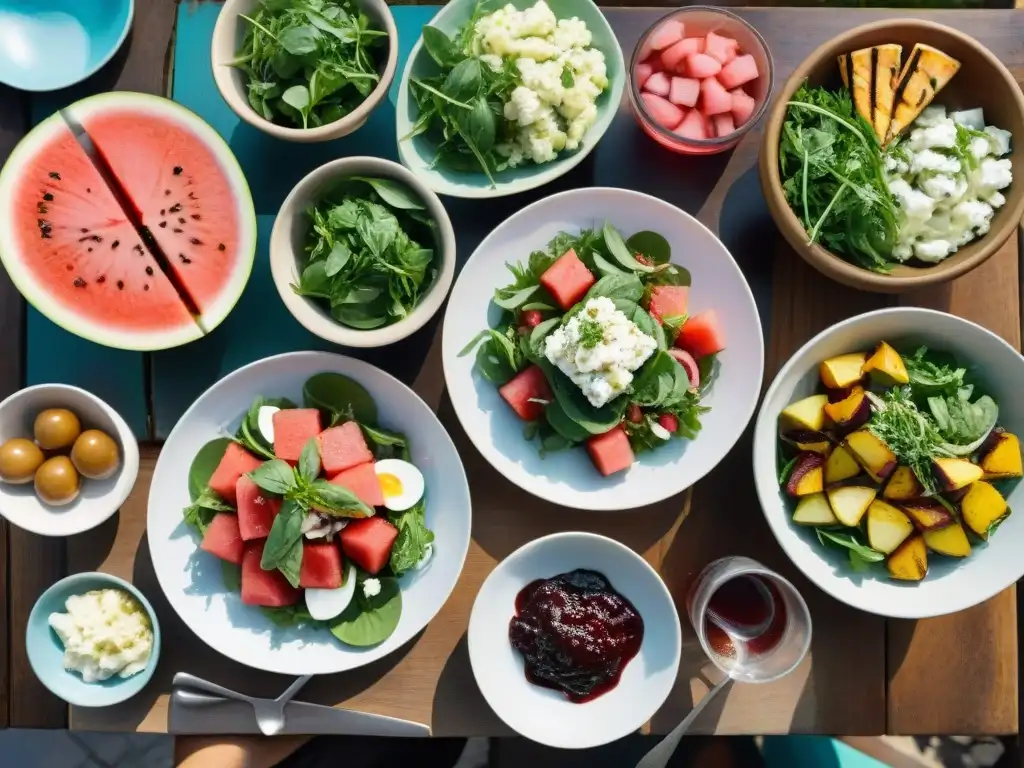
column 929, row 160
column 939, row 136
column 996, row 199
column 932, row 251
column 371, row 587
column 993, row 174
column 598, row 349
column 1000, row 140
column 931, row 115
column 939, row 187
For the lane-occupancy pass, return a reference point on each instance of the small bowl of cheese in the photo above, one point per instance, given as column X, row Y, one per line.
column 93, row 640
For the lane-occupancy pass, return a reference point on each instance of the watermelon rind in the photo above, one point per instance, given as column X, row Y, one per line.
column 39, row 296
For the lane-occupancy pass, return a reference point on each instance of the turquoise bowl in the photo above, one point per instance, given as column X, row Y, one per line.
column 417, row 154
column 46, row 652
column 50, row 44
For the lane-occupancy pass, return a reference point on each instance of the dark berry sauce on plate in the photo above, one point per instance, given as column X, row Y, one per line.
column 576, row 633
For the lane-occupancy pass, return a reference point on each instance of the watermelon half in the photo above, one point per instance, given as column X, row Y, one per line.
column 126, row 220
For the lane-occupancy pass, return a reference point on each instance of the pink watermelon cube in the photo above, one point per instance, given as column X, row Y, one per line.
column 684, row 92
column 256, row 509
column 663, row 112
column 267, row 588
column 235, row 463
column 742, row 69
column 658, row 83
column 725, row 49
column 692, row 126
column 673, row 57
column 524, row 390
column 641, row 73
column 701, row 66
column 362, row 480
column 293, row 428
column 668, row 301
column 701, row 335
column 321, row 566
column 568, row 279
column 222, row 538
column 666, row 34
column 743, row 105
column 714, row 99
column 342, row 447
column 723, row 124
column 367, row 542
column 611, row 451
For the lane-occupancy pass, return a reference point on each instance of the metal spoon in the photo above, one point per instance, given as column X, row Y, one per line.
column 662, row 752
column 269, row 712
column 742, row 631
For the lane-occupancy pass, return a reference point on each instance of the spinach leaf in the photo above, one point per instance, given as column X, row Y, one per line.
column 651, row 245
column 595, row 421
column 559, row 421
column 309, row 461
column 370, row 621
column 335, row 393
column 620, row 252
column 604, row 267
column 204, row 465
column 413, row 538
column 275, row 476
column 849, row 541
column 514, row 298
column 649, row 326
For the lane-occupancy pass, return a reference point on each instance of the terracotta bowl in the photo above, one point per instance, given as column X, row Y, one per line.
column 981, row 82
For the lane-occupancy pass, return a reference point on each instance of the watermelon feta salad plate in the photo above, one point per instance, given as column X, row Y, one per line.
column 592, row 337
column 324, row 525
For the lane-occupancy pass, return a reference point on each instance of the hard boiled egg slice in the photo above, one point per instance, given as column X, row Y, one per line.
column 325, row 604
column 400, row 482
column 265, row 421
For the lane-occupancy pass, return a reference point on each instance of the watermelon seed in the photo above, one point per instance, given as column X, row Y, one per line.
column 177, row 170
column 89, row 249
column 181, row 219
column 48, row 197
column 195, row 241
column 176, row 231
column 184, row 259
column 163, row 211
column 145, row 287
column 79, row 283
column 221, row 247
column 101, row 279
column 54, row 175
column 167, row 192
column 175, row 208
column 163, row 225
column 84, row 230
column 195, row 217
column 191, row 195
column 115, row 244
column 88, row 190
column 69, row 267
column 149, row 271
column 120, row 285
column 138, row 249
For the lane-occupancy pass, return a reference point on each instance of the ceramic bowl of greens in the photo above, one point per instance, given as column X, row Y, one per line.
column 362, row 252
column 909, row 530
column 912, row 184
column 308, row 70
column 495, row 101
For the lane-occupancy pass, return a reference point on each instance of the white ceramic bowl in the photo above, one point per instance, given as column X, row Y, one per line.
column 545, row 715
column 228, row 34
column 568, row 477
column 291, row 230
column 951, row 584
column 193, row 579
column 98, row 499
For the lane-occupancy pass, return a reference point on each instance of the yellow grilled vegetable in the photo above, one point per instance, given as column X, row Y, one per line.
column 926, row 72
column 870, row 75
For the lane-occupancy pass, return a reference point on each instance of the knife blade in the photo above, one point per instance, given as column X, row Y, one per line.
column 199, row 713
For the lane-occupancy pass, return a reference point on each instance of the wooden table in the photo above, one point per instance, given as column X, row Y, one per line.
column 865, row 675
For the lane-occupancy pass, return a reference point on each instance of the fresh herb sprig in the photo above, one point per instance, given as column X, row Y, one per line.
column 370, row 254
column 834, row 180
column 309, row 62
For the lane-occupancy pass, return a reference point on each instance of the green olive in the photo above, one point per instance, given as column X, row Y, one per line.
column 57, row 481
column 19, row 460
column 95, row 455
column 56, row 428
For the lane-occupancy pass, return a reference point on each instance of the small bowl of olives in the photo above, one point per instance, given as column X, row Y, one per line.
column 67, row 460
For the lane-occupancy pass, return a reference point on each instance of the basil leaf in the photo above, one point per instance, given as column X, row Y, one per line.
column 337, row 259
column 298, row 41
column 275, row 476
column 285, row 533
column 512, row 299
column 335, row 500
column 370, row 621
column 605, row 267
column 618, row 250
column 624, row 287
column 290, row 564
column 209, row 499
column 309, row 460
column 463, row 82
column 440, row 47
column 479, row 125
column 198, row 517
column 394, row 194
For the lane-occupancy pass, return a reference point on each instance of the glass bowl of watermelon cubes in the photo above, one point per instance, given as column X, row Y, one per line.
column 308, row 514
column 700, row 78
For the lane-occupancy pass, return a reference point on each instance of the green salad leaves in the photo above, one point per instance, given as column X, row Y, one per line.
column 833, row 177
column 309, row 62
column 370, row 256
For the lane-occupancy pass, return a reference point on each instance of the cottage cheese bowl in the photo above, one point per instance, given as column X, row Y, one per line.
column 93, row 639
column 981, row 83
column 555, row 74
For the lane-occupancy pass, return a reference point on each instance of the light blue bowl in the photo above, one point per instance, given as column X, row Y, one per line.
column 46, row 652
column 50, row 44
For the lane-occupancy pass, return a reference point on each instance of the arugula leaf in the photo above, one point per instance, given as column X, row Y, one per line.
column 834, row 180
column 787, row 470
column 930, row 376
column 850, row 542
column 308, row 63
column 618, row 250
column 498, row 358
column 413, row 538
column 276, row 476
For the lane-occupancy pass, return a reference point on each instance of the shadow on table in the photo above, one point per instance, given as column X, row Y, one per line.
column 458, row 701
column 93, row 546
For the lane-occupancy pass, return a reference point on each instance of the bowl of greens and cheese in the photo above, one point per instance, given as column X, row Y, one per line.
column 362, row 252
column 305, row 70
column 887, row 462
column 888, row 161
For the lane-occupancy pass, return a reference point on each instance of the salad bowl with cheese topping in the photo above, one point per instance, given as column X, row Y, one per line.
column 614, row 360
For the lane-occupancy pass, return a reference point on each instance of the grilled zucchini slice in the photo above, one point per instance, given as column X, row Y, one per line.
column 870, row 74
column 926, row 72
